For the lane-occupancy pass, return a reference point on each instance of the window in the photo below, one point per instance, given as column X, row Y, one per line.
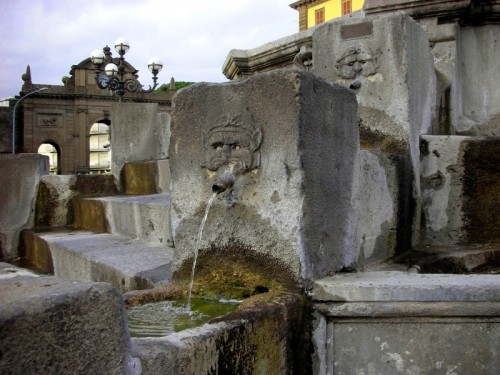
column 100, row 154
column 50, row 150
column 346, row 6
column 320, row 16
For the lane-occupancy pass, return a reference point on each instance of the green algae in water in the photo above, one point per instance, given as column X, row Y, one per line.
column 157, row 319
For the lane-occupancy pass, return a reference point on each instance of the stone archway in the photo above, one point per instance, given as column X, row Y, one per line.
column 52, row 151
column 99, row 148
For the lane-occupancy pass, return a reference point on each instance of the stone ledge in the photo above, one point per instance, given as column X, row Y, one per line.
column 416, row 7
column 482, row 12
column 396, row 286
column 140, row 216
column 277, row 54
column 8, row 271
column 408, row 309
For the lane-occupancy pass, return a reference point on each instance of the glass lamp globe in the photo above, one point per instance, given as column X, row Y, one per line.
column 111, row 70
column 97, row 57
column 155, row 65
column 122, row 46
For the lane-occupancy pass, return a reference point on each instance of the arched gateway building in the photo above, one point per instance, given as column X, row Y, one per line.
column 70, row 122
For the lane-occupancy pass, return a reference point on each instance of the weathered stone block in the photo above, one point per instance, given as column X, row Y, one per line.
column 387, row 61
column 126, row 263
column 150, row 177
column 455, row 169
column 139, row 134
column 289, row 140
column 478, row 108
column 50, row 325
column 142, row 216
column 17, row 197
column 57, row 194
column 380, row 208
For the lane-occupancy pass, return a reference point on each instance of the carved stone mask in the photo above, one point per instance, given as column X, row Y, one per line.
column 233, row 142
column 355, row 62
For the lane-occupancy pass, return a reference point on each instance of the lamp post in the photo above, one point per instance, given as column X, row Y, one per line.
column 114, row 77
column 14, row 115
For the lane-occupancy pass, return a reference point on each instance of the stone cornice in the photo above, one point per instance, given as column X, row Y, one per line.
column 302, row 3
column 280, row 53
column 58, row 92
column 93, row 99
column 415, row 7
column 463, row 11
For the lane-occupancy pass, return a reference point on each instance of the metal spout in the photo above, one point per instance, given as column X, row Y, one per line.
column 355, row 85
column 224, row 182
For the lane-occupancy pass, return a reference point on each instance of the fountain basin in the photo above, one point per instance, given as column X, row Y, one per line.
column 267, row 334
column 158, row 319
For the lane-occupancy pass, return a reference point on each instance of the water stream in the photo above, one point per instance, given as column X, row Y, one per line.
column 197, row 247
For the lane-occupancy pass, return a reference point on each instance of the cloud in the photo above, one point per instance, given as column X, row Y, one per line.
column 192, row 38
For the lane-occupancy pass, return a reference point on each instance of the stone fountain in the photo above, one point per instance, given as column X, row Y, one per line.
column 280, row 153
column 356, row 208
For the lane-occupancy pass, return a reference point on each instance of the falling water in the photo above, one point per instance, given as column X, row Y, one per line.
column 198, row 244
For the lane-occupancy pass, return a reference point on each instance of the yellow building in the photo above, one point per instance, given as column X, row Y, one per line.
column 314, row 12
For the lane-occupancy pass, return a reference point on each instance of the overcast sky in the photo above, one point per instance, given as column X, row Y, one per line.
column 192, row 37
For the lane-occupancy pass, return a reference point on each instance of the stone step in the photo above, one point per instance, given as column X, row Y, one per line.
column 145, row 217
column 397, row 286
column 128, row 264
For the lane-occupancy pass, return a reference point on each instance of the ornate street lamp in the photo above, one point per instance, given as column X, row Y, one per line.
column 111, row 74
column 14, row 115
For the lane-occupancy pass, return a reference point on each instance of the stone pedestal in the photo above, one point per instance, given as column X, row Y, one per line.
column 399, row 322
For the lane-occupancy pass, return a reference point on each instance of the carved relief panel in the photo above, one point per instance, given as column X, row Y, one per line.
column 49, row 119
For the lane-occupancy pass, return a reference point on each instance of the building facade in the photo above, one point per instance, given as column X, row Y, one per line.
column 314, row 12
column 70, row 123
